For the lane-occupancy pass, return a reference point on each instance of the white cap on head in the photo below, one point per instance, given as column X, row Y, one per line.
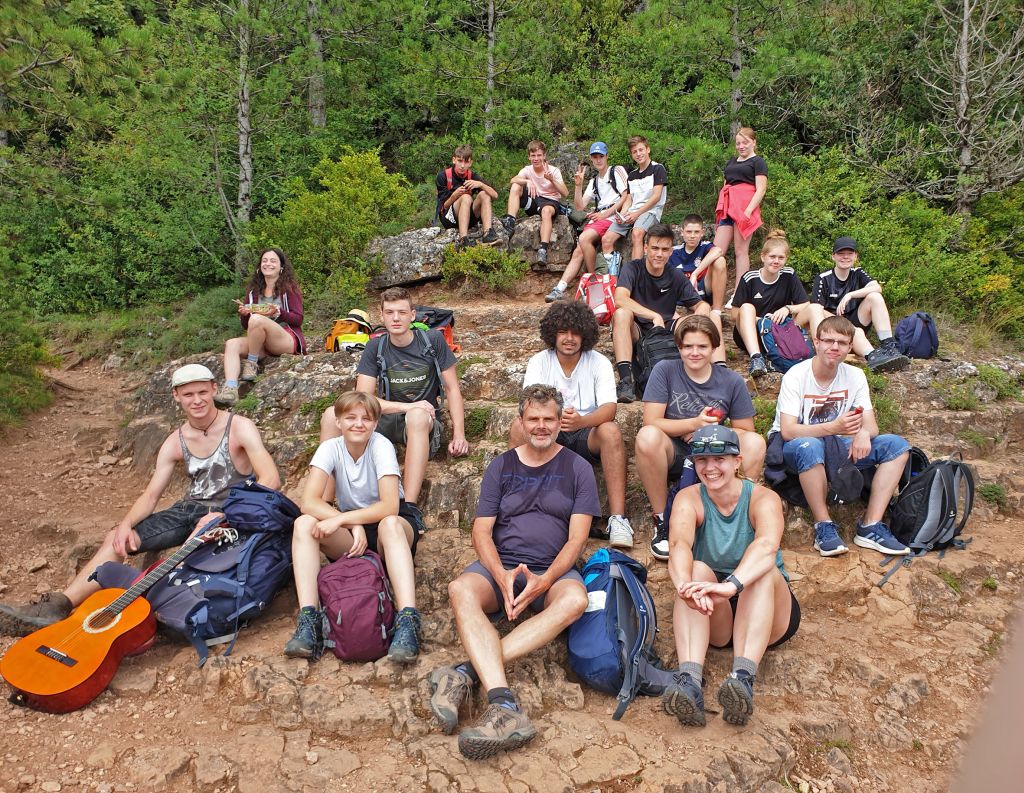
column 190, row 373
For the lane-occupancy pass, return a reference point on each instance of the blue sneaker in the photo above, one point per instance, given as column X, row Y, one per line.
column 827, row 541
column 405, row 642
column 736, row 696
column 684, row 699
column 877, row 537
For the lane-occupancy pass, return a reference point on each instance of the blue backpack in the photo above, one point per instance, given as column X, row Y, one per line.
column 611, row 646
column 785, row 345
column 916, row 335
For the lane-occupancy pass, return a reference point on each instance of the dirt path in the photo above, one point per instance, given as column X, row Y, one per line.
column 875, row 692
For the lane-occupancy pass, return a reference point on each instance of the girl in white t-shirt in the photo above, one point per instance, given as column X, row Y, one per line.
column 367, row 515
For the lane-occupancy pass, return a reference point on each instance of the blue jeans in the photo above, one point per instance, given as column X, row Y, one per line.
column 802, row 454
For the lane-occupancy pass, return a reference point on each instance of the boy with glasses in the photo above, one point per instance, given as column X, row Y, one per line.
column 823, row 397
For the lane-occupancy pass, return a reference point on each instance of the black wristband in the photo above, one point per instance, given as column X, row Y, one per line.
column 731, row 579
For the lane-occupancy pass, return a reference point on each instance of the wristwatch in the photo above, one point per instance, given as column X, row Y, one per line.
column 731, row 579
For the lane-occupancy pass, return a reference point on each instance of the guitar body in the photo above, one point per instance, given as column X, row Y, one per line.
column 65, row 666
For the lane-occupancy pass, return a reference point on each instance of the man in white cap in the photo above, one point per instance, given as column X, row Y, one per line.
column 606, row 190
column 218, row 450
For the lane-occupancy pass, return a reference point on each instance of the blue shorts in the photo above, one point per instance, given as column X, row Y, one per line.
column 538, row 603
column 802, row 454
column 727, row 221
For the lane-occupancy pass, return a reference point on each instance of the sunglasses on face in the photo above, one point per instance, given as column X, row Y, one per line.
column 713, row 447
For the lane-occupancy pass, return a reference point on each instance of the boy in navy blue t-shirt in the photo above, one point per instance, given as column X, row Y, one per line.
column 701, row 262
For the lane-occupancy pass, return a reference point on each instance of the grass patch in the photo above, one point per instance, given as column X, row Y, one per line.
column 991, row 647
column 494, row 268
column 1005, row 384
column 764, row 415
column 247, row 405
column 888, row 413
column 956, row 396
column 317, row 406
column 990, row 584
column 917, row 745
column 469, row 360
column 993, row 493
column 951, row 581
column 476, row 423
column 838, row 743
column 973, row 437
column 876, row 380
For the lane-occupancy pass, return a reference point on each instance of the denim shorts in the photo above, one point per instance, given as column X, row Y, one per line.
column 170, row 527
column 802, row 454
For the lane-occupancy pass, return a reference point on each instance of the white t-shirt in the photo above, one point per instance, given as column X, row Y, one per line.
column 591, row 384
column 606, row 195
column 545, row 187
column 355, row 481
column 801, row 396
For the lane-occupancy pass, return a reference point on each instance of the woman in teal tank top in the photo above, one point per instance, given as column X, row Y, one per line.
column 733, row 589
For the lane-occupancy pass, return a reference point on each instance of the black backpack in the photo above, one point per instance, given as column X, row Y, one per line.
column 931, row 508
column 656, row 344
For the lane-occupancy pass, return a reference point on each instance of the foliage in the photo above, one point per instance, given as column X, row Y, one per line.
column 951, row 580
column 956, row 396
column 994, row 493
column 496, row 269
column 990, row 583
column 325, row 225
column 1005, row 384
column 476, row 423
column 764, row 415
column 22, row 387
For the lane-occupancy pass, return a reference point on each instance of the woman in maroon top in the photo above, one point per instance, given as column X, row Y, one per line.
column 272, row 318
column 739, row 201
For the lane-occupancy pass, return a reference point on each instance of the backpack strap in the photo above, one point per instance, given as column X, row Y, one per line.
column 962, row 474
column 383, row 386
column 425, row 336
column 629, row 599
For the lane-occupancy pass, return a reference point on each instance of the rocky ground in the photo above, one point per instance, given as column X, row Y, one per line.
column 875, row 693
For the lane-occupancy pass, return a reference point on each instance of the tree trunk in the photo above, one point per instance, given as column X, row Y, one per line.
column 965, row 156
column 243, row 207
column 3, row 131
column 317, row 90
column 489, row 103
column 735, row 70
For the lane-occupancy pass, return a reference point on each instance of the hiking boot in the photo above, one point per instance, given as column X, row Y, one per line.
column 684, row 699
column 625, row 393
column 405, row 643
column 308, row 639
column 499, row 729
column 490, row 238
column 415, row 518
column 620, row 533
column 659, row 542
column 877, row 537
column 542, row 254
column 39, row 612
column 886, row 359
column 554, row 294
column 827, row 541
column 466, row 242
column 758, row 368
column 508, row 223
column 449, row 688
column 736, row 696
column 225, row 397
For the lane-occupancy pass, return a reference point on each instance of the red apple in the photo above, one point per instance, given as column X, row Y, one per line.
column 717, row 413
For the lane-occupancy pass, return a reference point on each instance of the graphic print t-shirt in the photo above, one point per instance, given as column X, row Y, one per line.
column 683, row 398
column 801, row 396
column 410, row 370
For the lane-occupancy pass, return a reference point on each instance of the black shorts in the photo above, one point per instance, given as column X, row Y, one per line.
column 533, row 205
column 392, row 427
column 403, row 512
column 453, row 221
column 577, row 442
column 170, row 528
column 794, row 616
column 682, row 452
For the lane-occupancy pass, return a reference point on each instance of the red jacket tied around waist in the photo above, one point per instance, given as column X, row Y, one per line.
column 732, row 201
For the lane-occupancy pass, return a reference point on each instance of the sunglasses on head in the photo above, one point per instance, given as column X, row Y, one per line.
column 713, row 447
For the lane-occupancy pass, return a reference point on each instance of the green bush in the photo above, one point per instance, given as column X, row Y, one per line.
column 1005, row 384
column 325, row 230
column 494, row 268
column 993, row 493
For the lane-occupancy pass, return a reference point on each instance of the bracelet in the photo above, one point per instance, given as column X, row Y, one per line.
column 731, row 579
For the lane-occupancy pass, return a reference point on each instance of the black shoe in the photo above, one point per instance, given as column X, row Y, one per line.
column 308, row 639
column 886, row 359
column 736, row 696
column 625, row 393
column 415, row 518
column 490, row 238
column 508, row 223
column 659, row 542
column 757, row 368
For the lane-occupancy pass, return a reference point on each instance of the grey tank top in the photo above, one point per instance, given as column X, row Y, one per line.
column 722, row 540
column 212, row 477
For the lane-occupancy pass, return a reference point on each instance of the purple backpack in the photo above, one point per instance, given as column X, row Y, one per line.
column 358, row 607
column 785, row 344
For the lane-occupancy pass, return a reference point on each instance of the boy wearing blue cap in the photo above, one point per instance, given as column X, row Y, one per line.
column 607, row 190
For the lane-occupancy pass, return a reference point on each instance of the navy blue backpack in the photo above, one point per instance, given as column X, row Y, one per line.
column 611, row 646
column 916, row 336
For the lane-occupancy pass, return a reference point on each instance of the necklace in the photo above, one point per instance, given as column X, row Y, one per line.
column 215, row 417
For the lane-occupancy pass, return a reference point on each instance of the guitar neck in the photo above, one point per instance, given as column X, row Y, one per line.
column 141, row 586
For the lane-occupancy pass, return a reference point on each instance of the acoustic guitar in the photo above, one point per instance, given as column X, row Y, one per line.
column 65, row 666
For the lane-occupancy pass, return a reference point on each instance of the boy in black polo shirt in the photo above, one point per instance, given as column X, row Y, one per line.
column 464, row 200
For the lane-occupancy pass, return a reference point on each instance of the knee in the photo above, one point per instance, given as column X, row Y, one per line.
column 702, row 308
column 460, row 593
column 622, row 320
column 547, row 212
column 390, row 531
column 418, row 420
column 258, row 321
column 608, row 434
column 649, row 441
column 718, row 266
column 638, row 234
column 701, row 572
column 302, row 530
column 752, row 445
column 573, row 603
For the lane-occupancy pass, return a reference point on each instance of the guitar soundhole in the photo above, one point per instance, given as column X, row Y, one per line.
column 100, row 620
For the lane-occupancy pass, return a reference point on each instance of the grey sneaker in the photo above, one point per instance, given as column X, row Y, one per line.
column 226, row 397
column 499, row 729
column 542, row 254
column 554, row 294
column 449, row 688
column 736, row 696
column 758, row 368
column 886, row 359
column 684, row 699
column 250, row 369
column 37, row 613
column 620, row 532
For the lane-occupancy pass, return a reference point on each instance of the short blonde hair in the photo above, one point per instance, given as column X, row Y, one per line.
column 351, row 399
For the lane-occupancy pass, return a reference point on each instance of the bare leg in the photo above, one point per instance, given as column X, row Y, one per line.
column 692, row 630
column 873, row 311
column 810, row 317
column 654, row 454
column 636, row 235
column 723, row 239
column 814, row 483
column 606, row 440
column 472, row 599
column 515, row 193
column 622, row 334
column 883, row 485
column 234, row 349
column 328, row 429
column 463, row 211
column 547, row 214
column 716, row 318
column 81, row 587
column 482, row 207
column 715, row 281
column 752, row 450
column 267, row 337
column 418, row 424
column 608, row 242
column 742, row 251
column 762, row 615
column 747, row 323
column 394, row 543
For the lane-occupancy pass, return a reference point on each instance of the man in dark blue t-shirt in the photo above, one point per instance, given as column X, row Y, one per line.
column 648, row 294
column 533, row 518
